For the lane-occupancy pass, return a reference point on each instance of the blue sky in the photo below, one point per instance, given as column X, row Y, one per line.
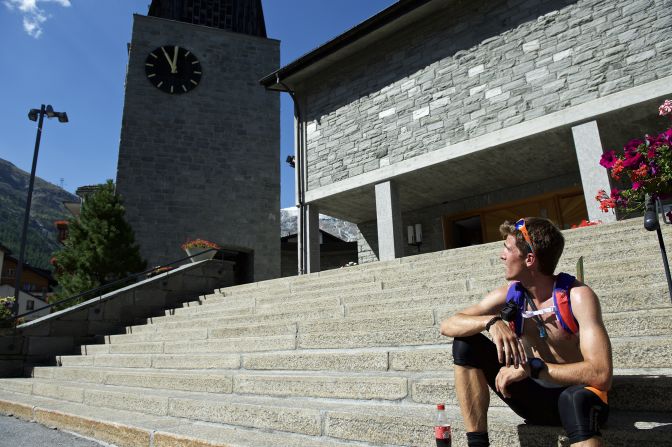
column 72, row 54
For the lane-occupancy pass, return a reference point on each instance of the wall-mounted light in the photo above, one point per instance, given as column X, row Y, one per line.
column 415, row 235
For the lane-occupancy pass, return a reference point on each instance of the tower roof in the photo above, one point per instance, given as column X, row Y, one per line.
column 240, row 16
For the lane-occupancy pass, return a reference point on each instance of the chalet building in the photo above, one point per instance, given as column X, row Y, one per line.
column 35, row 283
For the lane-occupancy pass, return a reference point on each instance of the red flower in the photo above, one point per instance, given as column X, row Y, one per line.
column 617, row 169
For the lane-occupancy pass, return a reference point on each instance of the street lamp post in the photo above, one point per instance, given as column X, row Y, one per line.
column 33, row 115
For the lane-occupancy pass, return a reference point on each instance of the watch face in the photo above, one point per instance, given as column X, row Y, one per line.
column 173, row 69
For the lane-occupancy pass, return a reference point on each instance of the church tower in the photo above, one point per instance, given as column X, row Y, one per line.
column 200, row 137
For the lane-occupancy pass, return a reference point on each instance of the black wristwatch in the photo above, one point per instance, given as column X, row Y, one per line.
column 491, row 322
column 536, row 366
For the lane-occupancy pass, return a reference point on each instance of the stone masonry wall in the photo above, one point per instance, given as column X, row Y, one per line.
column 204, row 164
column 475, row 68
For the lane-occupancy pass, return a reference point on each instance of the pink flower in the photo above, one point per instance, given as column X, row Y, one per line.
column 665, row 108
column 632, row 159
column 633, row 145
column 636, row 185
column 608, row 159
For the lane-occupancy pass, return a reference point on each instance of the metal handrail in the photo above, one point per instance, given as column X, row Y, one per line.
column 106, row 286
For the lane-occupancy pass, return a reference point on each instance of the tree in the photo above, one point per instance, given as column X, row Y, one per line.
column 100, row 247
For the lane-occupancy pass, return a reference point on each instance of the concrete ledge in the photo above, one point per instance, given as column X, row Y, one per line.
column 41, row 340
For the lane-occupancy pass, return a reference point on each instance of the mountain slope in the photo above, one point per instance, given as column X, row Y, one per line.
column 46, row 208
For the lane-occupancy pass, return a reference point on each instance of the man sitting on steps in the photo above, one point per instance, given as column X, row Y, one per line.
column 540, row 364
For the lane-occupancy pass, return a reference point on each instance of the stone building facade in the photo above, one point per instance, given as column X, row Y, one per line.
column 203, row 164
column 460, row 114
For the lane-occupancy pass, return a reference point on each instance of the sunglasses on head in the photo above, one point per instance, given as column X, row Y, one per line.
column 520, row 226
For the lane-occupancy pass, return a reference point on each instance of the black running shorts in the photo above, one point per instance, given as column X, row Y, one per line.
column 580, row 411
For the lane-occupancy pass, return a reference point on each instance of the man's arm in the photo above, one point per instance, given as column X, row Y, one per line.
column 472, row 321
column 596, row 369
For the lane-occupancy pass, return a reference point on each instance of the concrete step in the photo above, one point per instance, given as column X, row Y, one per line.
column 419, row 325
column 590, row 244
column 226, row 331
column 242, row 344
column 176, row 323
column 157, row 361
column 367, row 424
column 610, row 288
column 612, row 299
column 597, row 260
column 135, row 429
column 633, row 390
column 353, row 386
column 436, row 274
column 627, row 352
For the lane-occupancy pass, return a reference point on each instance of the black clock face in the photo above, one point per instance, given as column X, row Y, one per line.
column 173, row 69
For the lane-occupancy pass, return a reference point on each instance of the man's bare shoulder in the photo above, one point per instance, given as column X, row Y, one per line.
column 585, row 303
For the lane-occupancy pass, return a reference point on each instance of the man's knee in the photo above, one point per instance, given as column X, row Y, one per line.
column 469, row 351
column 582, row 413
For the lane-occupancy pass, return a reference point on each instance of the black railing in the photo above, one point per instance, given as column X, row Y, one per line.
column 130, row 279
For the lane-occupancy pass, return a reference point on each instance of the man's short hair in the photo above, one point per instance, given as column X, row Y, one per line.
column 547, row 240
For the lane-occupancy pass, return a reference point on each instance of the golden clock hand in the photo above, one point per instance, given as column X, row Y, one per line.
column 174, row 70
column 170, row 62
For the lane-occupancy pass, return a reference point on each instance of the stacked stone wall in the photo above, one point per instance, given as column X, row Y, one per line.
column 477, row 67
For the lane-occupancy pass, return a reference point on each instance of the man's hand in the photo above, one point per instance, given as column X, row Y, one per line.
column 509, row 347
column 508, row 375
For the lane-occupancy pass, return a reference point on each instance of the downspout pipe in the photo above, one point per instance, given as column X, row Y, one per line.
column 300, row 176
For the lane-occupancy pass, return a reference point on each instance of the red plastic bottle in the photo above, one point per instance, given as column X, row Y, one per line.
column 442, row 430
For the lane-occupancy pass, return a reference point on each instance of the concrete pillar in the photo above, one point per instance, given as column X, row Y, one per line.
column 309, row 243
column 388, row 212
column 593, row 176
column 2, row 260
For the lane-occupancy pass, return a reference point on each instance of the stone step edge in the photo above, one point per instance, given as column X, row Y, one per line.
column 482, row 284
column 619, row 374
column 40, row 414
column 213, row 307
column 354, row 280
column 120, row 433
column 413, row 311
column 285, row 284
column 380, row 298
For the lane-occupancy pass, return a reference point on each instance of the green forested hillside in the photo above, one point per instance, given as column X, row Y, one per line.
column 46, row 208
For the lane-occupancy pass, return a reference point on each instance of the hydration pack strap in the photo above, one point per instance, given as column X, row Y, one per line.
column 562, row 303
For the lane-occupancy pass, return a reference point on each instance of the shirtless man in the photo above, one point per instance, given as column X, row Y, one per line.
column 548, row 376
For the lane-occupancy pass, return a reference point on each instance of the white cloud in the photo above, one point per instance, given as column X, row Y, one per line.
column 33, row 15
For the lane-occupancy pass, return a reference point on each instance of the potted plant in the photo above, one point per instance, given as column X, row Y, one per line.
column 644, row 167
column 197, row 247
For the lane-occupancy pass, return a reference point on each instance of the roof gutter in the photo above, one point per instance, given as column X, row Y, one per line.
column 374, row 23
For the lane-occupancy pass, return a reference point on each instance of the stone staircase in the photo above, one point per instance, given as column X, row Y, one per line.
column 349, row 357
